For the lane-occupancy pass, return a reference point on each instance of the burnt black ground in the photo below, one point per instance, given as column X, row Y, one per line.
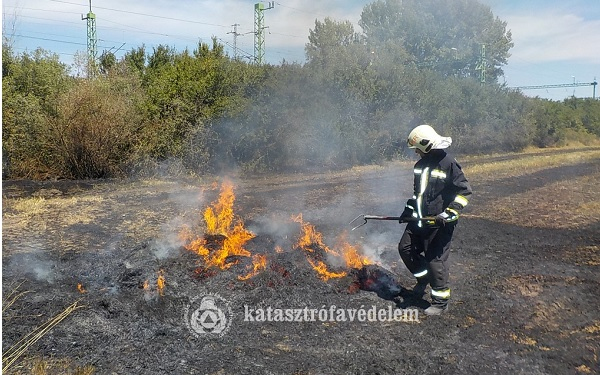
column 524, row 300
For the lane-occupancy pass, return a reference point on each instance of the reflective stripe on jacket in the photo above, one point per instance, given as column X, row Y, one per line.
column 439, row 184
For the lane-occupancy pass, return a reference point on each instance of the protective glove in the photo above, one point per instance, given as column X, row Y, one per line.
column 409, row 209
column 448, row 216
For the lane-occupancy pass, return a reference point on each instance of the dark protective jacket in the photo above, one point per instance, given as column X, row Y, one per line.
column 439, row 186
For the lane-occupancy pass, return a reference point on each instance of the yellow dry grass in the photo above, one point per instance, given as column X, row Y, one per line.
column 13, row 354
column 565, row 204
column 526, row 163
column 47, row 366
column 29, row 206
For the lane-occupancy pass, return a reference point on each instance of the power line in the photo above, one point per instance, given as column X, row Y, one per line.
column 127, row 28
column 53, row 40
column 146, row 14
column 43, row 10
column 300, row 10
column 57, row 53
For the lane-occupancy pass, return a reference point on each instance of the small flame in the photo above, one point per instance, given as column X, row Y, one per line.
column 350, row 254
column 146, row 285
column 278, row 249
column 311, row 238
column 259, row 263
column 81, row 289
column 160, row 282
column 323, row 272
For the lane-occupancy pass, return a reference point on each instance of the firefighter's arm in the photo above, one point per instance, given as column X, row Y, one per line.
column 463, row 192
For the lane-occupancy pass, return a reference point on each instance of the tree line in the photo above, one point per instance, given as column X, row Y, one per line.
column 353, row 101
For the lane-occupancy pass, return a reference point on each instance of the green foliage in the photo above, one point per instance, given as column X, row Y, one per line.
column 39, row 74
column 353, row 102
column 107, row 62
column 31, row 84
column 555, row 123
column 24, row 125
column 135, row 60
column 442, row 35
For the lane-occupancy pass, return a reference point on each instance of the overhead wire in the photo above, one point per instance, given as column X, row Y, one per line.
column 144, row 14
column 131, row 28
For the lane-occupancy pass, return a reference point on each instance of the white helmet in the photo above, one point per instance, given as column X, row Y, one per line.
column 425, row 138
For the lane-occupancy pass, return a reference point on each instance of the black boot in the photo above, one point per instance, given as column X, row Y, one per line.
column 420, row 286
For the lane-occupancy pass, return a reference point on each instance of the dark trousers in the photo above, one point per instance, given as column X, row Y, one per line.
column 428, row 249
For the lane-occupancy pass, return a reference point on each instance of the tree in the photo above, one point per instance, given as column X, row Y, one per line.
column 442, row 35
column 136, row 60
column 328, row 40
column 108, row 61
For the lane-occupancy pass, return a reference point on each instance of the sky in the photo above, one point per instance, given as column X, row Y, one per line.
column 555, row 41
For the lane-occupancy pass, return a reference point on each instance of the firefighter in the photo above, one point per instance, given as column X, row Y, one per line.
column 441, row 190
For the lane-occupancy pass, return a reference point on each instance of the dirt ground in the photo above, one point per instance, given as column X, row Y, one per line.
column 524, row 274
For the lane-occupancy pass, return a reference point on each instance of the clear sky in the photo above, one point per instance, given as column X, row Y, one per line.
column 556, row 41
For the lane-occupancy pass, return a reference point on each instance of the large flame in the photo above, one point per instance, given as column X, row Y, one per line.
column 219, row 217
column 219, row 220
column 311, row 239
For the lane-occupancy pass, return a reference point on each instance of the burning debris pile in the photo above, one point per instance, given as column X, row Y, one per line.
column 224, row 241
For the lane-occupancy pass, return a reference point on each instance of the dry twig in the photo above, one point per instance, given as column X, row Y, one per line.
column 13, row 353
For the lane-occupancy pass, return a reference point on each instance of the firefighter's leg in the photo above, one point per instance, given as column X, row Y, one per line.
column 410, row 249
column 436, row 255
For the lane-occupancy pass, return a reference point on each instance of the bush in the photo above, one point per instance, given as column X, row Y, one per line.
column 95, row 131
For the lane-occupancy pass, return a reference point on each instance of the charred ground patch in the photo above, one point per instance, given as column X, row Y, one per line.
column 523, row 294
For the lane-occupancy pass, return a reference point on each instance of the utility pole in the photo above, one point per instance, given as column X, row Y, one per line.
column 235, row 35
column 482, row 65
column 92, row 41
column 259, row 31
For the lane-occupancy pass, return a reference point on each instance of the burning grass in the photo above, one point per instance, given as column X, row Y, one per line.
column 345, row 254
column 540, row 312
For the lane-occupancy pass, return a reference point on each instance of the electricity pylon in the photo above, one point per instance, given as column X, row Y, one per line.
column 482, row 65
column 92, row 41
column 574, row 84
column 259, row 31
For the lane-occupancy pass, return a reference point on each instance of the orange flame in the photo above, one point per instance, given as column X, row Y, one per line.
column 350, row 254
column 311, row 238
column 323, row 272
column 146, row 285
column 160, row 282
column 81, row 289
column 219, row 219
column 259, row 263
